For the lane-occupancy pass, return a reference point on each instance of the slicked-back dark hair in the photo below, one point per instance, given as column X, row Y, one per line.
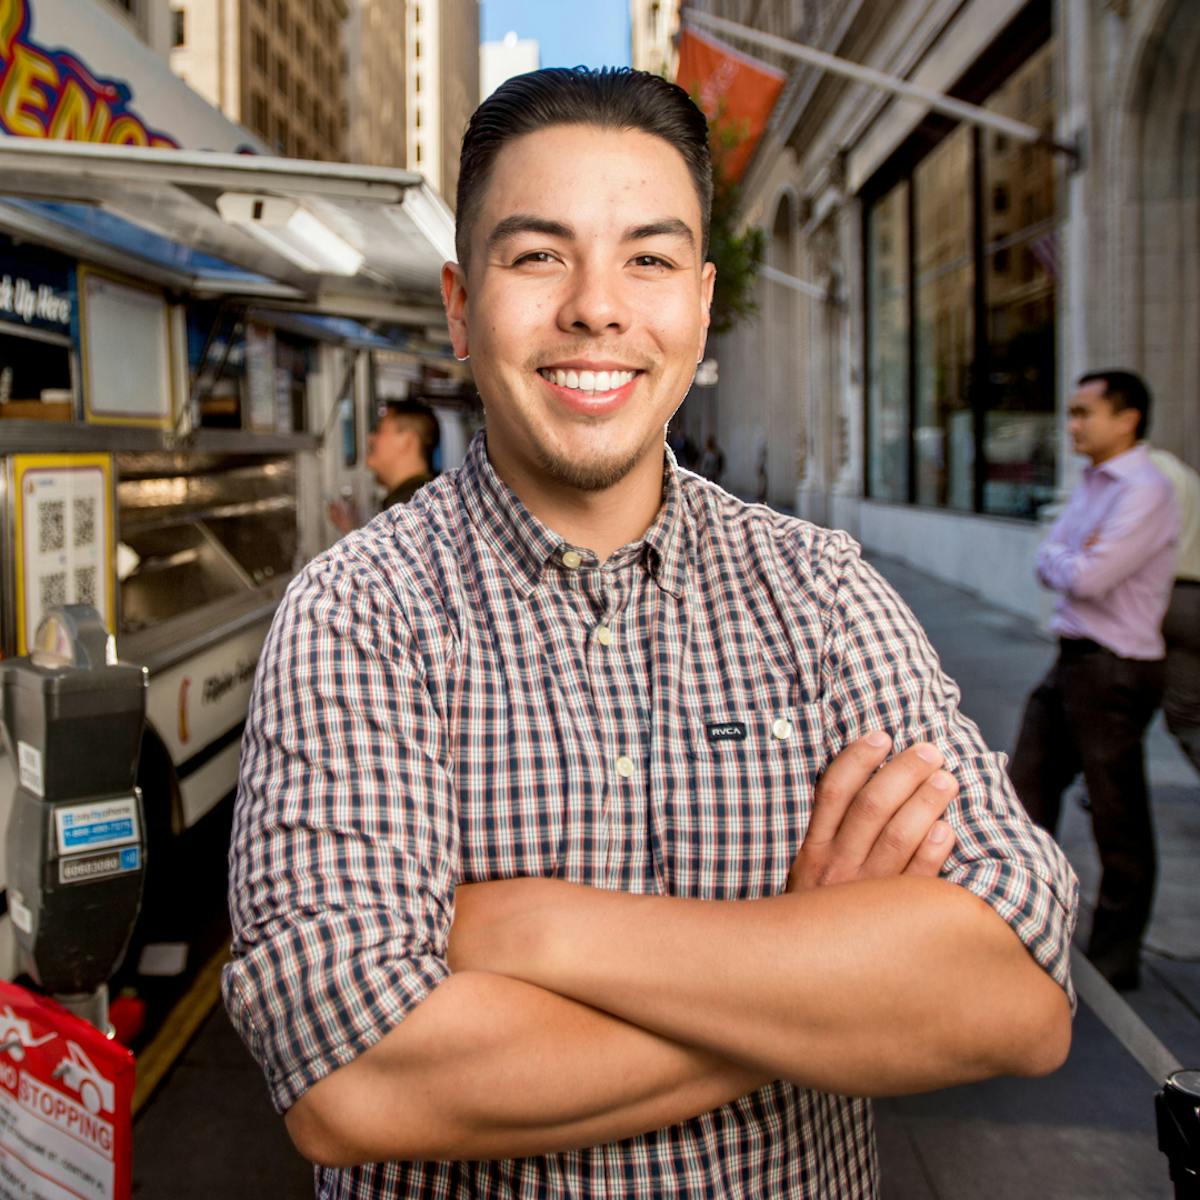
column 1124, row 389
column 610, row 98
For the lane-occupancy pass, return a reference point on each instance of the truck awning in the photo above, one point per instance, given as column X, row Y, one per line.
column 339, row 239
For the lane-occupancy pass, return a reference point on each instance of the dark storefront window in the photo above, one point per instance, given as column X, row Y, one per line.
column 1021, row 265
column 961, row 277
column 944, row 287
column 887, row 397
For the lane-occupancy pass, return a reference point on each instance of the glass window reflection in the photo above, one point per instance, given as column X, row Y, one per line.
column 981, row 233
column 887, row 397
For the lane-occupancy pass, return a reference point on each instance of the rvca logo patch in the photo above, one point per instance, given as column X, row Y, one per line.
column 726, row 731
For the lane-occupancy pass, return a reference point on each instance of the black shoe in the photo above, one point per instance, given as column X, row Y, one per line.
column 1125, row 979
column 1121, row 970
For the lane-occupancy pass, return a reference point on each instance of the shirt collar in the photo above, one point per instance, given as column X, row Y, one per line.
column 525, row 546
column 666, row 542
column 1123, row 464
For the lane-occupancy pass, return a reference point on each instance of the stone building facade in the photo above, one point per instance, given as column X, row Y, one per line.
column 939, row 286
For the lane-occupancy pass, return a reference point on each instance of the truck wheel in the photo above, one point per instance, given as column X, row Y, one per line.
column 89, row 1093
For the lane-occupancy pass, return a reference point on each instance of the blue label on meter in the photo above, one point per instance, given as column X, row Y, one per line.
column 88, row 834
column 131, row 856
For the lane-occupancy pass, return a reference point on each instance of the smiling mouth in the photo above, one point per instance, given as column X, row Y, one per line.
column 588, row 383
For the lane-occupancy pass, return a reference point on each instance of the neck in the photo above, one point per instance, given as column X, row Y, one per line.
column 1106, row 455
column 405, row 470
column 601, row 521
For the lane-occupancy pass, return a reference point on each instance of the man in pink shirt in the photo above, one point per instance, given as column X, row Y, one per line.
column 1111, row 558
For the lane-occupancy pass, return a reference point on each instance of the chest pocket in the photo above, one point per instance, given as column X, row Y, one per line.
column 732, row 795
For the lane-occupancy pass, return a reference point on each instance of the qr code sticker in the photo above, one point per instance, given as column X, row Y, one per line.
column 51, row 526
column 53, row 589
column 85, row 520
column 85, row 585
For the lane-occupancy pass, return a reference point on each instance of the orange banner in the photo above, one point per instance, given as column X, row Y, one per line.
column 736, row 93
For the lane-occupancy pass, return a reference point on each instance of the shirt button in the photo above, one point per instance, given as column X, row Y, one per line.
column 782, row 729
column 625, row 767
column 604, row 635
column 571, row 559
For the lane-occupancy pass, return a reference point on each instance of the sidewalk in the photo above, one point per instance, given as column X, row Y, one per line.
column 1086, row 1133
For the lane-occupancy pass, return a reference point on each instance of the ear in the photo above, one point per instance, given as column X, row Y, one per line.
column 1130, row 418
column 454, row 301
column 708, row 281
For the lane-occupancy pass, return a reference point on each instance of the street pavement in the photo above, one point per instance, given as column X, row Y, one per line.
column 1085, row 1133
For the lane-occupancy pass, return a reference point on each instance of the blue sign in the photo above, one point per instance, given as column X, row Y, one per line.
column 78, row 837
column 35, row 288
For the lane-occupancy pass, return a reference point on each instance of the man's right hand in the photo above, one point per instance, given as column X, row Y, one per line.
column 874, row 822
column 343, row 515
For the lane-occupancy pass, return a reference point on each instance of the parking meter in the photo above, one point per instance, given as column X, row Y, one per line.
column 72, row 720
column 1177, row 1108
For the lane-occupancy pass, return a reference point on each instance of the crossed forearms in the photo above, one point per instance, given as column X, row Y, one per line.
column 869, row 988
column 492, row 1067
column 577, row 1016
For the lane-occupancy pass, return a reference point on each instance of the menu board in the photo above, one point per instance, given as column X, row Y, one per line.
column 124, row 349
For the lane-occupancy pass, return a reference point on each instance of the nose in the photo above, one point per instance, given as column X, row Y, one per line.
column 594, row 301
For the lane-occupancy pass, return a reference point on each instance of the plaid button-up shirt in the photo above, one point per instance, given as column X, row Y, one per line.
column 454, row 694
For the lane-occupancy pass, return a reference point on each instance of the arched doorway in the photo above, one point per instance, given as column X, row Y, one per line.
column 1162, row 149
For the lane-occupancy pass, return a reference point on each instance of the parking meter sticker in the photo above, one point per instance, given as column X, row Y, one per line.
column 66, row 1095
column 22, row 915
column 84, row 868
column 29, row 760
column 96, row 826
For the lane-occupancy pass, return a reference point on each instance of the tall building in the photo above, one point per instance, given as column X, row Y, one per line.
column 151, row 20
column 502, row 60
column 653, row 26
column 442, row 86
column 275, row 66
column 375, row 40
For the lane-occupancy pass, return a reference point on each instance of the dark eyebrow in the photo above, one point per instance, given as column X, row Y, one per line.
column 667, row 227
column 527, row 223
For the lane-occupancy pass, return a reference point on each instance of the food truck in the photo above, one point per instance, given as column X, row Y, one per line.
column 192, row 345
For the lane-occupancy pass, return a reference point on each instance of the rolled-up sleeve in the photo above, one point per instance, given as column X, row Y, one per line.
column 342, row 862
column 880, row 672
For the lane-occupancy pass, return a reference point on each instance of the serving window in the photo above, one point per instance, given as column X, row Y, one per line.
column 195, row 529
column 36, row 378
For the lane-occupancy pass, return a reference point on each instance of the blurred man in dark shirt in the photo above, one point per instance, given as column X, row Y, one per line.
column 400, row 452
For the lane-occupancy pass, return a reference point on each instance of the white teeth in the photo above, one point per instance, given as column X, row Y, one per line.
column 588, row 381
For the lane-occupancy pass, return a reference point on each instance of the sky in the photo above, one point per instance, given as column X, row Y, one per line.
column 594, row 33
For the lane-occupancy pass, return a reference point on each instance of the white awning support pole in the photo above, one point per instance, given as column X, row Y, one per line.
column 973, row 114
column 790, row 281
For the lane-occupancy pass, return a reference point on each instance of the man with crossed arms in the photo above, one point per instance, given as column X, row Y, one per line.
column 599, row 834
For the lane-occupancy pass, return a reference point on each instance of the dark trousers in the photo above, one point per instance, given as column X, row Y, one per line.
column 1181, row 703
column 1089, row 714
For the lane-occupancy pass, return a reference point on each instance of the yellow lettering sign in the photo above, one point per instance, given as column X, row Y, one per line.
column 77, row 119
column 21, row 96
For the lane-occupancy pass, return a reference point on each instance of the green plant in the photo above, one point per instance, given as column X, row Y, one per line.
column 737, row 256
